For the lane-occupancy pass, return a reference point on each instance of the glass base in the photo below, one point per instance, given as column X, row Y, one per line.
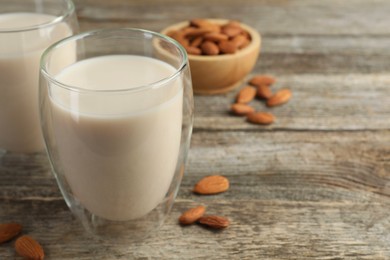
column 121, row 232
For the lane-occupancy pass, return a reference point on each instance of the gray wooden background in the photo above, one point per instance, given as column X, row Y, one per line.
column 314, row 185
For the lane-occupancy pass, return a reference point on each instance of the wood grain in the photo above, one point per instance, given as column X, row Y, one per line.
column 314, row 185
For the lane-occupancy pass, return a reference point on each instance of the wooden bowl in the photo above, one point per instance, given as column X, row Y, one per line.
column 221, row 73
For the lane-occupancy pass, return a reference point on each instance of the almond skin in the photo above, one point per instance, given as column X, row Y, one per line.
column 197, row 41
column 212, row 185
column 241, row 109
column 193, row 50
column 216, row 222
column 29, row 248
column 263, row 91
column 8, row 231
column 209, row 48
column 215, row 37
column 280, row 97
column 246, row 94
column 262, row 80
column 261, row 118
column 192, row 215
column 239, row 41
column 231, row 30
column 227, row 47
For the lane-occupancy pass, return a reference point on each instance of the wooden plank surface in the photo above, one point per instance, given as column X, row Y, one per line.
column 314, row 185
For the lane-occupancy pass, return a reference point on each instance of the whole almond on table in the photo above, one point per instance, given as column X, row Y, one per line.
column 212, row 185
column 262, row 80
column 216, row 222
column 280, row 97
column 246, row 95
column 242, row 109
column 192, row 215
column 261, row 118
column 263, row 91
column 8, row 231
column 29, row 248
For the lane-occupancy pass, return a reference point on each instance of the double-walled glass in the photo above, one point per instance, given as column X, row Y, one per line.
column 116, row 110
column 27, row 28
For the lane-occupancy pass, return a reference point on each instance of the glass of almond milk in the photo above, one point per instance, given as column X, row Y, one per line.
column 27, row 28
column 117, row 121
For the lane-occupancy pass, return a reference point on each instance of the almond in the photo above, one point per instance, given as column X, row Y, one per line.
column 227, row 47
column 209, row 48
column 263, row 91
column 193, row 32
column 262, row 80
column 234, row 23
column 197, row 41
column 215, row 37
column 231, row 30
column 8, row 231
column 216, row 222
column 242, row 109
column 246, row 94
column 192, row 215
column 239, row 41
column 29, row 248
column 280, row 97
column 193, row 50
column 199, row 22
column 212, row 185
column 261, row 118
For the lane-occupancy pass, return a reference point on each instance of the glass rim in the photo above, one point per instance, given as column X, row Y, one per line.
column 70, row 9
column 73, row 38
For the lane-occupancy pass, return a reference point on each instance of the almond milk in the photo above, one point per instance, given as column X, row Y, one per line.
column 117, row 151
column 19, row 71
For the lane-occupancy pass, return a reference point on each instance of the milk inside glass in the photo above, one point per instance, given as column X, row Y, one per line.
column 20, row 53
column 118, row 151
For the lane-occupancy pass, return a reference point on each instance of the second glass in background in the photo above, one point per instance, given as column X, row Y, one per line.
column 27, row 28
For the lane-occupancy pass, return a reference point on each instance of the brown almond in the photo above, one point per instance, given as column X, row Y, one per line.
column 246, row 94
column 280, row 97
column 193, row 50
column 192, row 215
column 227, row 47
column 242, row 109
column 262, row 80
column 215, row 37
column 264, row 91
column 216, row 222
column 196, row 42
column 239, row 41
column 234, row 23
column 230, row 30
column 8, row 231
column 29, row 248
column 194, row 32
column 261, row 118
column 209, row 48
column 212, row 185
column 199, row 22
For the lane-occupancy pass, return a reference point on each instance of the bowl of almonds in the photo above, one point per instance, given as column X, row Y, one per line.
column 221, row 52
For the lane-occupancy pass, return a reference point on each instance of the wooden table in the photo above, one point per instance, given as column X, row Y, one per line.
column 313, row 185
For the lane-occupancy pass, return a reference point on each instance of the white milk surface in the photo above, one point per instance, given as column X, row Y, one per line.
column 118, row 151
column 20, row 53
